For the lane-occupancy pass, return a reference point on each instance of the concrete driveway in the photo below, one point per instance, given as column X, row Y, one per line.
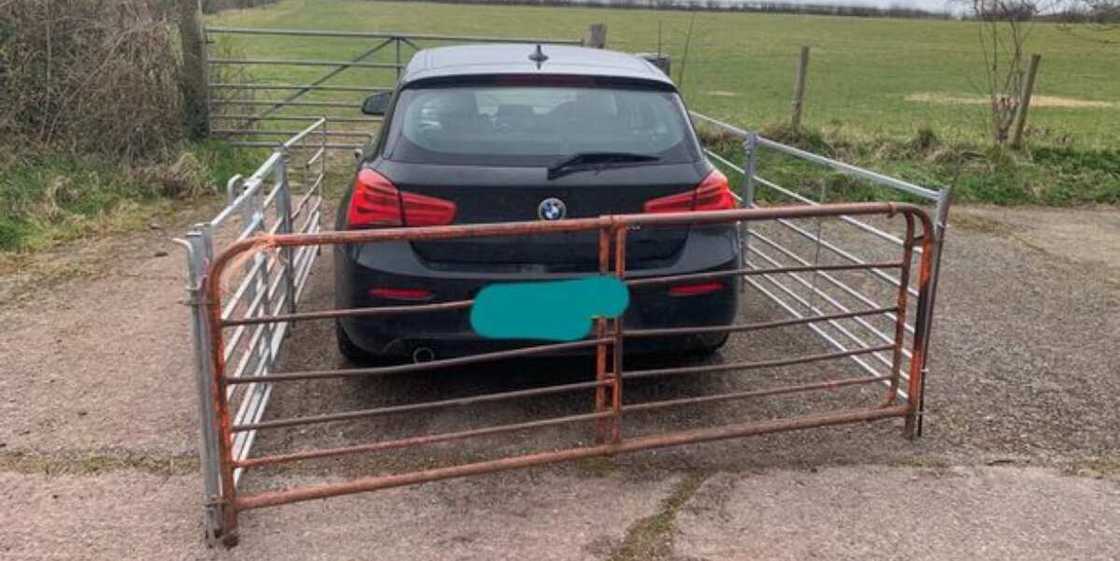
column 1020, row 461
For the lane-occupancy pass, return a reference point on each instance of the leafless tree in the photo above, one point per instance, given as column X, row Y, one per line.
column 1003, row 27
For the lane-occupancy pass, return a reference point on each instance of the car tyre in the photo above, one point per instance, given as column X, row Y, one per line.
column 709, row 347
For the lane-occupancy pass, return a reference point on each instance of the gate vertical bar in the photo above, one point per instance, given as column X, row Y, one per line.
column 397, row 45
column 922, row 325
column 221, row 418
column 284, row 210
column 323, row 144
column 616, row 387
column 199, row 253
column 900, row 315
column 601, row 349
column 750, row 164
column 940, row 225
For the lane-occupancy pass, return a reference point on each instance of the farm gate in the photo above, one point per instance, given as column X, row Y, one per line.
column 850, row 286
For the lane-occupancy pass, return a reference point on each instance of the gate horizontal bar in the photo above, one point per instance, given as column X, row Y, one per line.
column 294, row 118
column 254, row 132
column 415, row 441
column 272, row 498
column 827, row 162
column 337, row 104
column 737, row 328
column 635, row 374
column 352, row 312
column 388, row 35
column 851, row 170
column 752, row 271
column 827, row 385
column 253, row 86
column 294, row 62
column 264, row 144
column 394, row 409
column 444, row 363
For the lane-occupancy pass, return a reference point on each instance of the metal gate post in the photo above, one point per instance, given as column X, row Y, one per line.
column 199, row 252
column 601, row 426
column 620, row 231
column 397, row 44
column 940, row 225
column 284, row 210
column 750, row 163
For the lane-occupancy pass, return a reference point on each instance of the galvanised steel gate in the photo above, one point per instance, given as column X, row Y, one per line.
column 244, row 108
column 850, row 241
column 283, row 196
column 859, row 279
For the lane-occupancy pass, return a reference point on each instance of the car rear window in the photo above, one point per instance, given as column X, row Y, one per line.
column 535, row 125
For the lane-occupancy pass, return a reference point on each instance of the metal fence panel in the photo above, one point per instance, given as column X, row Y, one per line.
column 777, row 243
column 263, row 285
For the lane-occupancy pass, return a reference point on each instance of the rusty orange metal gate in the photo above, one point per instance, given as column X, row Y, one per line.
column 606, row 407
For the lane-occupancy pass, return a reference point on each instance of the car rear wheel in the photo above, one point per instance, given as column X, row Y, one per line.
column 711, row 345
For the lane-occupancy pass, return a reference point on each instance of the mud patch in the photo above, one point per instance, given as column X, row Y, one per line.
column 1036, row 101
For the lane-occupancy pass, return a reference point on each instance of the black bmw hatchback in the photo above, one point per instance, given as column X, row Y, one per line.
column 502, row 133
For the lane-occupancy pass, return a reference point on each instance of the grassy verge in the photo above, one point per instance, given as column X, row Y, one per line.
column 978, row 173
column 46, row 199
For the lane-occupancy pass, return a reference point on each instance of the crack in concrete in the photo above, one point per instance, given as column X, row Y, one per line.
column 92, row 463
column 651, row 538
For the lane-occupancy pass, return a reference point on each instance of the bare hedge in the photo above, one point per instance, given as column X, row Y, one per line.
column 89, row 76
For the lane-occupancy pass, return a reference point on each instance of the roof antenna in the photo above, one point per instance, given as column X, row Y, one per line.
column 538, row 57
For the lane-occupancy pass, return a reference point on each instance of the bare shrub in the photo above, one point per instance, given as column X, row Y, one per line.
column 1004, row 26
column 89, row 77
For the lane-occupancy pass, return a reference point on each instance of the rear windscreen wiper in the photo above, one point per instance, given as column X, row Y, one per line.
column 595, row 160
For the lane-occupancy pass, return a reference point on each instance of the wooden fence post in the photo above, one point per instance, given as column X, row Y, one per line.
column 799, row 87
column 596, row 37
column 196, row 110
column 1024, row 103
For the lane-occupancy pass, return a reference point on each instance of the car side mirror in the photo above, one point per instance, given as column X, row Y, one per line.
column 377, row 104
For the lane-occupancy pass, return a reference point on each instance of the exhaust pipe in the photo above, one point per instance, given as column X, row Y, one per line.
column 423, row 354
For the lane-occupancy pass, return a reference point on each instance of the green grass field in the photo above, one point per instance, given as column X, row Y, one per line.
column 871, row 77
column 900, row 96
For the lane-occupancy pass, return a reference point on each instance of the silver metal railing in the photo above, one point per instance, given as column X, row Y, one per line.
column 798, row 243
column 283, row 196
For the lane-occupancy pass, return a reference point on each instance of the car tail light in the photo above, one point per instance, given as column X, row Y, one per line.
column 377, row 202
column 401, row 293
column 695, row 289
column 713, row 193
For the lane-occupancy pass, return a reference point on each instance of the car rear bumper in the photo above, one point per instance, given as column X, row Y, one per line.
column 359, row 269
